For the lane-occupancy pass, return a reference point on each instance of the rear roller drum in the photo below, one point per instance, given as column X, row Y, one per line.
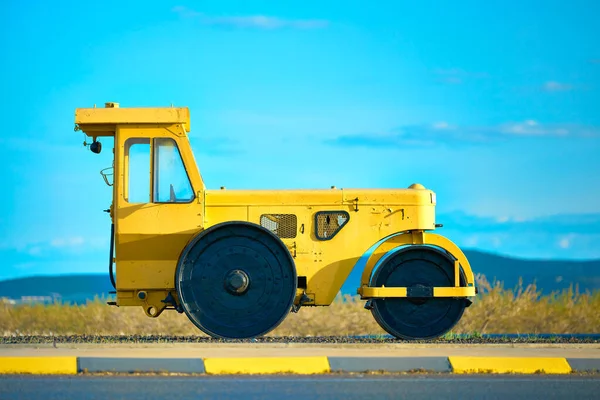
column 415, row 318
column 236, row 280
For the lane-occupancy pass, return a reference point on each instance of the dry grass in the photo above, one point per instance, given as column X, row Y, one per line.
column 495, row 310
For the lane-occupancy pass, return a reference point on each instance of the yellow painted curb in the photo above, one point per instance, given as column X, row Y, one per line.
column 503, row 365
column 267, row 365
column 38, row 365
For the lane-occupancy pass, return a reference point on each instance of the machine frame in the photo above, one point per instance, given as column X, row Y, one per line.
column 149, row 238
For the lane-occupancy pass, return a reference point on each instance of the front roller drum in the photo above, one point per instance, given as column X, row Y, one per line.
column 236, row 280
column 417, row 268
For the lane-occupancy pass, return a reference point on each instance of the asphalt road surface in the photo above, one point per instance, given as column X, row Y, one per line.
column 301, row 387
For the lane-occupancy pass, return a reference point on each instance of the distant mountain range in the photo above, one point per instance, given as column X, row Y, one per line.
column 549, row 275
column 66, row 288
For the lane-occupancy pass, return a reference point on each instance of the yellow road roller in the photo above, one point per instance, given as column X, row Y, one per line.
column 237, row 262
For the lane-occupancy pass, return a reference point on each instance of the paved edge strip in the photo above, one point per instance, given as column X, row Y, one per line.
column 267, row 365
column 505, row 365
column 584, row 364
column 131, row 365
column 297, row 365
column 38, row 365
column 389, row 364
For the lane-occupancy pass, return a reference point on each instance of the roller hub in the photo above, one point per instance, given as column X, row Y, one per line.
column 237, row 281
column 413, row 318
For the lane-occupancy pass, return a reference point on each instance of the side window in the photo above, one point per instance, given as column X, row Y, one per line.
column 137, row 155
column 329, row 223
column 171, row 182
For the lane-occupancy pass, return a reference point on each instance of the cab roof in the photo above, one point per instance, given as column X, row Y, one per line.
column 102, row 121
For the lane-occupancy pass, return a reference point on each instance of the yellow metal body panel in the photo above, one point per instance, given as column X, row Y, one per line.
column 151, row 234
column 327, row 264
column 267, row 365
column 38, row 365
column 507, row 365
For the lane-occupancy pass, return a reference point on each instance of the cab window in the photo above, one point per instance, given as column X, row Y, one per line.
column 137, row 185
column 171, row 182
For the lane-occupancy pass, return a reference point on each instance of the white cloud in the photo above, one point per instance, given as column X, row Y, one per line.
column 564, row 243
column 250, row 21
column 25, row 144
column 532, row 128
column 567, row 241
column 457, row 76
column 505, row 219
column 34, row 251
column 443, row 133
column 67, row 242
column 186, row 12
column 563, row 236
column 25, row 266
column 440, row 125
column 496, row 241
column 452, row 80
column 553, row 86
column 471, row 241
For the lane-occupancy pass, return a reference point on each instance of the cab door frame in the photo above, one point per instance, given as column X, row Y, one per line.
column 149, row 236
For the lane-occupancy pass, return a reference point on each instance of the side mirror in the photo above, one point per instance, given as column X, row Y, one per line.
column 96, row 147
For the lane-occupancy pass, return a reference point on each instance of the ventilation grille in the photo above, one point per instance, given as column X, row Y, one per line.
column 283, row 225
column 329, row 223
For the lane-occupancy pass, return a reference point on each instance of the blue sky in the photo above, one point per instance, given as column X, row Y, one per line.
column 495, row 107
